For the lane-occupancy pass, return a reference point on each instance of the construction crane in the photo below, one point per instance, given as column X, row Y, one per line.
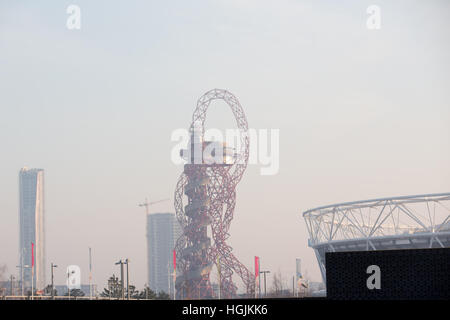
column 147, row 204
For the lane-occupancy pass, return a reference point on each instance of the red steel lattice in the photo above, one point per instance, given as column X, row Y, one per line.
column 211, row 193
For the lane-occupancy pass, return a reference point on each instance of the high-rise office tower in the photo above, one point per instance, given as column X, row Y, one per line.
column 31, row 224
column 163, row 231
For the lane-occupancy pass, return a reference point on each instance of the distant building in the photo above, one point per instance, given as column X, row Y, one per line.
column 61, row 290
column 31, row 226
column 6, row 286
column 316, row 289
column 163, row 231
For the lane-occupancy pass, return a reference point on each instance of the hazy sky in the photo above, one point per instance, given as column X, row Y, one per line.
column 362, row 114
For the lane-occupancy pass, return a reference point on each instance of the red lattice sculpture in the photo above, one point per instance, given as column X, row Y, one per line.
column 211, row 192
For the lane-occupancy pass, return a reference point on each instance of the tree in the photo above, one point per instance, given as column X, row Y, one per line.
column 133, row 292
column 162, row 296
column 3, row 270
column 75, row 293
column 114, row 289
column 278, row 288
column 277, row 283
column 147, row 293
column 48, row 291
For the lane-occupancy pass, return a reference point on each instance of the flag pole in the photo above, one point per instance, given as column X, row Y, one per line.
column 174, row 273
column 32, row 271
column 256, row 274
column 90, row 273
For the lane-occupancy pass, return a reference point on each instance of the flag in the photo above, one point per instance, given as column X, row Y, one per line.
column 174, row 260
column 256, row 267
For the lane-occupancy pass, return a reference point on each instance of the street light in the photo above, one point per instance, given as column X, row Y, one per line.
column 53, row 287
column 21, row 278
column 121, row 277
column 264, row 272
column 146, row 291
column 11, row 283
column 68, row 282
column 21, row 275
column 21, row 269
column 128, row 282
column 22, row 266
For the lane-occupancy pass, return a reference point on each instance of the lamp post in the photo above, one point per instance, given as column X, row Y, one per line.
column 259, row 285
column 90, row 274
column 22, row 280
column 264, row 272
column 12, row 288
column 32, row 282
column 121, row 277
column 21, row 270
column 68, row 282
column 53, row 286
column 128, row 276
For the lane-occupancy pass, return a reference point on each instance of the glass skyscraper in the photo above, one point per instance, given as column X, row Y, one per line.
column 163, row 231
column 31, row 224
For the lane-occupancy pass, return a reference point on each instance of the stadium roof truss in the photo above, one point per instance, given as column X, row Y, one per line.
column 421, row 221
